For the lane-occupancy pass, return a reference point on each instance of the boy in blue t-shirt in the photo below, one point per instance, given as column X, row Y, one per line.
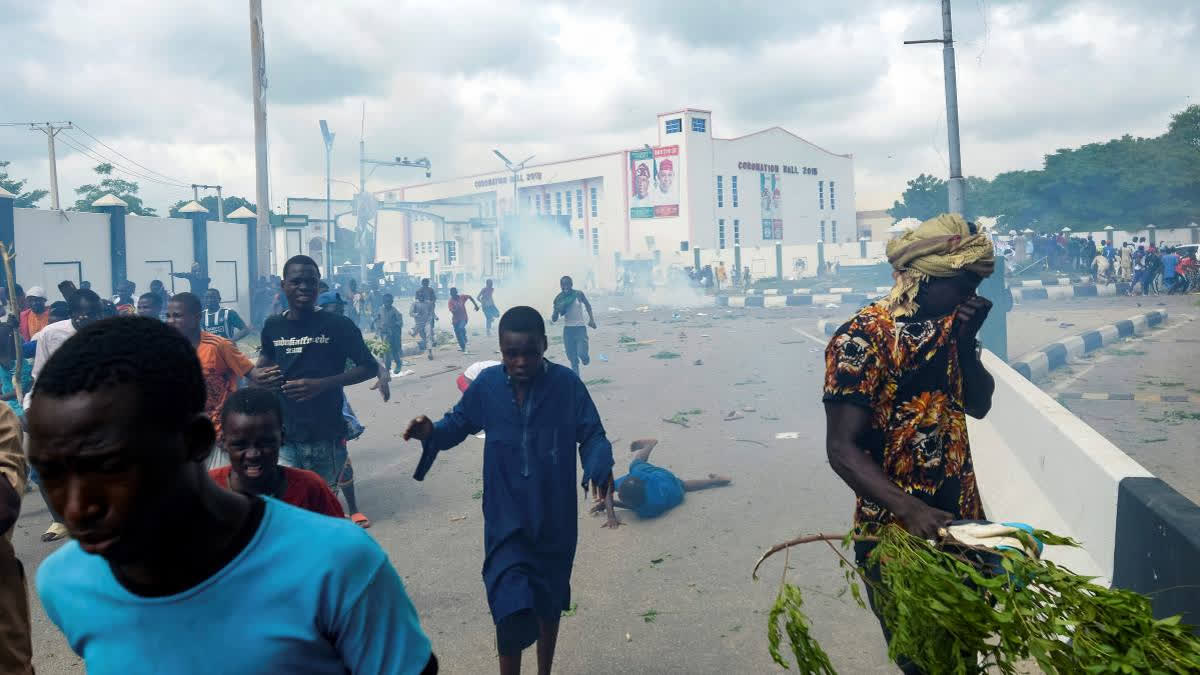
column 650, row 490
column 170, row 573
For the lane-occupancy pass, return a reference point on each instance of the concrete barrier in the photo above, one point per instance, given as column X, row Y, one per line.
column 1028, row 294
column 1038, row 463
column 794, row 300
column 1041, row 361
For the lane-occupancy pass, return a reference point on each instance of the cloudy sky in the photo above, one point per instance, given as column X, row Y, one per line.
column 168, row 84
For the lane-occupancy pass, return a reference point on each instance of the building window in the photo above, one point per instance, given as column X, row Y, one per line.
column 832, row 197
column 451, row 252
column 568, row 202
column 537, row 200
column 822, row 237
column 595, row 203
column 721, row 233
column 674, row 126
column 733, row 187
column 821, row 194
column 579, row 203
column 720, row 191
column 833, row 231
column 595, row 241
column 737, row 232
column 558, row 203
column 698, row 124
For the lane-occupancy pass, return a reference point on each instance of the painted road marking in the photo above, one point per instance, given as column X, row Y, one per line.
column 810, row 336
column 1144, row 398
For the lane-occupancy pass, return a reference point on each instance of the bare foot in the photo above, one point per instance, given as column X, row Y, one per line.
column 642, row 444
column 720, row 480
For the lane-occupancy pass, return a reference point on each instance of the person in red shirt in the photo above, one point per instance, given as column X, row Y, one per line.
column 458, row 316
column 251, row 432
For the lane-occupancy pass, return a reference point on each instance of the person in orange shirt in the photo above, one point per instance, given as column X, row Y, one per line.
column 220, row 360
column 37, row 316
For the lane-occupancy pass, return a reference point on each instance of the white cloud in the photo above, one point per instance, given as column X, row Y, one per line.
column 168, row 83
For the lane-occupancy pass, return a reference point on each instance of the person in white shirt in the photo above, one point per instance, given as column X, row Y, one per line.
column 86, row 308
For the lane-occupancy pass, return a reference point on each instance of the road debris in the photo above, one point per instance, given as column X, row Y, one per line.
column 787, row 435
column 747, row 440
column 455, row 519
column 734, row 415
column 698, row 362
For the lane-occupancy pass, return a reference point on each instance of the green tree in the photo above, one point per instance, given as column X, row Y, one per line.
column 928, row 196
column 24, row 200
column 124, row 190
column 1125, row 181
column 232, row 203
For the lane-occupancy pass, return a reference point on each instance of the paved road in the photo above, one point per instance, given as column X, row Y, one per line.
column 1161, row 435
column 691, row 566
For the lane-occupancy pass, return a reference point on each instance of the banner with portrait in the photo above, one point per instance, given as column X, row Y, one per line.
column 654, row 182
column 772, row 205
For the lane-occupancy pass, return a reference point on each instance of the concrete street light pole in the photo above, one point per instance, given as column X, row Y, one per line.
column 328, row 136
column 957, row 187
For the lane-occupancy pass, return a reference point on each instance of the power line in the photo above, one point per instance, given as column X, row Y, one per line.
column 118, row 153
column 80, row 147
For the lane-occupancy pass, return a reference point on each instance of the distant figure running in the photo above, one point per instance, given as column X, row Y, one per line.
column 569, row 304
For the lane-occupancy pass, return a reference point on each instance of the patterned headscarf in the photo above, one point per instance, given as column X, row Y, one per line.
column 939, row 247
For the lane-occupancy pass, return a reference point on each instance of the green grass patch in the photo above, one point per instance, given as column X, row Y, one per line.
column 650, row 615
column 681, row 417
column 572, row 610
column 625, row 339
column 1127, row 352
column 665, row 355
column 597, row 381
column 478, row 494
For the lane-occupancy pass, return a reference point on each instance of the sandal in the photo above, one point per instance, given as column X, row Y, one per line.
column 55, row 532
column 360, row 520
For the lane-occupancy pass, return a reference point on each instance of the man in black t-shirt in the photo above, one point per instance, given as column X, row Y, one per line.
column 304, row 354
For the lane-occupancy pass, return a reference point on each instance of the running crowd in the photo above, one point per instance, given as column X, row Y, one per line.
column 192, row 480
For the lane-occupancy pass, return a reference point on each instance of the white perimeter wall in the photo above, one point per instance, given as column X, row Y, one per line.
column 155, row 247
column 761, row 259
column 1039, row 464
column 52, row 245
column 228, row 265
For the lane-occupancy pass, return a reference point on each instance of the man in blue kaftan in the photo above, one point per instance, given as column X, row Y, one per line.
column 535, row 414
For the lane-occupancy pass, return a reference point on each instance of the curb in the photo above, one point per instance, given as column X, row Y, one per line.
column 1039, row 283
column 1040, row 362
column 794, row 300
column 808, row 291
column 1020, row 295
column 828, row 328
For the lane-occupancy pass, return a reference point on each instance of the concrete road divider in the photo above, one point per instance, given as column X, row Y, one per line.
column 793, row 300
column 1064, row 292
column 877, row 290
column 1038, row 283
column 1038, row 463
column 1039, row 362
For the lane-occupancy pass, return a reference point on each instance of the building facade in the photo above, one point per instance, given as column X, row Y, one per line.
column 655, row 204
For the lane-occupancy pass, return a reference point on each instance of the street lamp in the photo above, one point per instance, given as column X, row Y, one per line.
column 516, row 170
column 328, row 136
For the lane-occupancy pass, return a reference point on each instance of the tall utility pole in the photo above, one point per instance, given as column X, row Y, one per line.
column 957, row 188
column 258, row 92
column 328, row 136
column 516, row 169
column 51, row 130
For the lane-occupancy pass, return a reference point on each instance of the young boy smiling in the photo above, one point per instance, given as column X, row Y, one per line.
column 252, row 431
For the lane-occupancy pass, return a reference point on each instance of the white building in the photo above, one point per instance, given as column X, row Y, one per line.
column 655, row 204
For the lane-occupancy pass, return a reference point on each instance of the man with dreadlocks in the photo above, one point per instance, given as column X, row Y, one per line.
column 899, row 376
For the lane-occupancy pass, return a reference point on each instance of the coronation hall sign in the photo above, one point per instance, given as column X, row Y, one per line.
column 504, row 180
column 777, row 168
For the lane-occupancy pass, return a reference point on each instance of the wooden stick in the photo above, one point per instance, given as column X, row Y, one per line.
column 12, row 309
column 803, row 540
